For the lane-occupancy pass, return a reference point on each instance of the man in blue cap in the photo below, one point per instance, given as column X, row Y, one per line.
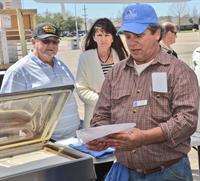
column 156, row 91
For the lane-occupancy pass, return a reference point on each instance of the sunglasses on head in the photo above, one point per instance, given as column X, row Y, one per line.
column 48, row 41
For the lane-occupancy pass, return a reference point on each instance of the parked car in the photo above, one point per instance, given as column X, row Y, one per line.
column 66, row 33
column 80, row 33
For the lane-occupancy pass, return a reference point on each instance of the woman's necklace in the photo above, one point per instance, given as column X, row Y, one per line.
column 105, row 59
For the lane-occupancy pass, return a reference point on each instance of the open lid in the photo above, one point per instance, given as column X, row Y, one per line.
column 29, row 117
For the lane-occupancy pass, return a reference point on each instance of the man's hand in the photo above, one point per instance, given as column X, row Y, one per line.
column 97, row 145
column 126, row 140
column 129, row 140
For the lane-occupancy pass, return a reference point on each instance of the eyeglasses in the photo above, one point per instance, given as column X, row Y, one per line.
column 48, row 41
column 175, row 32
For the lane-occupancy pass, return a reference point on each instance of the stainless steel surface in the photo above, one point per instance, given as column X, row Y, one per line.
column 29, row 117
column 26, row 152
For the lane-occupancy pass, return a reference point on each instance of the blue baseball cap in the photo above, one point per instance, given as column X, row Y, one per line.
column 137, row 17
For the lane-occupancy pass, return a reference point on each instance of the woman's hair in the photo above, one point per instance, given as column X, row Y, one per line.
column 106, row 25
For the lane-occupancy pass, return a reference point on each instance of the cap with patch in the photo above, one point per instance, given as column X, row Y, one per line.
column 44, row 30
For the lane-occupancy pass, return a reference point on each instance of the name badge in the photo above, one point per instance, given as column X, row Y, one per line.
column 139, row 103
column 159, row 82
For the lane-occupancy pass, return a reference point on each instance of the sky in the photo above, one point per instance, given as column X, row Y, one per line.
column 94, row 11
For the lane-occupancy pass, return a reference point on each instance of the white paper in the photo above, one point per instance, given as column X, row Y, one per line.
column 89, row 134
column 159, row 82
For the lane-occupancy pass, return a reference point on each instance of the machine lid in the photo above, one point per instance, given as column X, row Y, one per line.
column 30, row 117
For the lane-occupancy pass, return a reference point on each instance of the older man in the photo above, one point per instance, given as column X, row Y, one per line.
column 157, row 92
column 169, row 35
column 40, row 68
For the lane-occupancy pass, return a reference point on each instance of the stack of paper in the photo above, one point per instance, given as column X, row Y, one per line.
column 89, row 134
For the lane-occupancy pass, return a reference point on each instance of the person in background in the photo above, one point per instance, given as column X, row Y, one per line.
column 196, row 68
column 40, row 69
column 157, row 92
column 103, row 48
column 169, row 35
column 196, row 63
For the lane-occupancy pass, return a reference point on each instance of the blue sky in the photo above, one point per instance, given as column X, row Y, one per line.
column 95, row 11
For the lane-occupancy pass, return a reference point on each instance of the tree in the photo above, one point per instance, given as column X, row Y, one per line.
column 71, row 26
column 179, row 10
column 195, row 15
column 191, row 20
column 59, row 21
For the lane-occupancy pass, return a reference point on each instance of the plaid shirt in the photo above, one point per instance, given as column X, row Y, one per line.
column 175, row 112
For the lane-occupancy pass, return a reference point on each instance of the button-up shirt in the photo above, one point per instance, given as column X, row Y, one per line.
column 168, row 49
column 174, row 111
column 31, row 73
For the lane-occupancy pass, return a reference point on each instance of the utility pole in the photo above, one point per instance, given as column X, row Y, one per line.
column 85, row 18
column 76, row 23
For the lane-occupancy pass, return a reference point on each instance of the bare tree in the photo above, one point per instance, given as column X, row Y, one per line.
column 195, row 15
column 179, row 10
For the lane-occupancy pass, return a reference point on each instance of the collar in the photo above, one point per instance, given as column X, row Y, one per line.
column 159, row 59
column 39, row 61
column 165, row 47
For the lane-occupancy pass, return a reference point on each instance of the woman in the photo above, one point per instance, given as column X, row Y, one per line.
column 103, row 48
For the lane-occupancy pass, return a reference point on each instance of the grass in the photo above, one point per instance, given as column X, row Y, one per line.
column 186, row 31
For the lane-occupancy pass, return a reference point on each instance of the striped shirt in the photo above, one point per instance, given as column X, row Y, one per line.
column 31, row 73
column 175, row 112
column 106, row 68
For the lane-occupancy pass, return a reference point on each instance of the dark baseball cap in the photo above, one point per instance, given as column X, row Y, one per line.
column 44, row 30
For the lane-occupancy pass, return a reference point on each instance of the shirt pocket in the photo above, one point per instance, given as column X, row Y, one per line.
column 160, row 106
column 120, row 103
column 120, row 96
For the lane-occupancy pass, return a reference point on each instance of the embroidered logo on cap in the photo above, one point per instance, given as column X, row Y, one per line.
column 131, row 13
column 49, row 29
